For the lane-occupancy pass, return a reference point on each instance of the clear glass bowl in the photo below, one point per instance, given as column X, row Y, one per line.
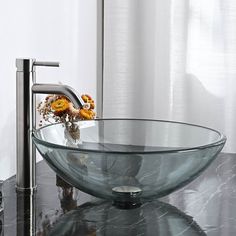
column 128, row 160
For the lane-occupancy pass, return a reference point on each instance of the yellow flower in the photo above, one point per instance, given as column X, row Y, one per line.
column 86, row 114
column 60, row 106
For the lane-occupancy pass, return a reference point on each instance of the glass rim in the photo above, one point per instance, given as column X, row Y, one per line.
column 221, row 140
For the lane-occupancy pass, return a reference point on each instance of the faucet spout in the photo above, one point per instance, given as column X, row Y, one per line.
column 69, row 92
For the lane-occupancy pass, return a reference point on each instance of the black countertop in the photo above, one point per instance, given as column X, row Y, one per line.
column 207, row 206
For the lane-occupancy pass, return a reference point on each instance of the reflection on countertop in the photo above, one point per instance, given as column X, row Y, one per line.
column 204, row 207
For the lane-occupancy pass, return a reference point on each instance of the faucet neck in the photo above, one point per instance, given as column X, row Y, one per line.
column 25, row 120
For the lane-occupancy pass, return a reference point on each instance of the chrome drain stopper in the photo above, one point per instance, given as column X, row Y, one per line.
column 128, row 191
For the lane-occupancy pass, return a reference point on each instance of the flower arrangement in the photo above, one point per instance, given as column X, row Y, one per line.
column 59, row 109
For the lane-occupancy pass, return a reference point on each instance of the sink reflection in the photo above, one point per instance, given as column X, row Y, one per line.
column 26, row 214
column 103, row 218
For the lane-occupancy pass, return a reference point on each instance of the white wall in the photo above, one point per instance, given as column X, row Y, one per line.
column 56, row 30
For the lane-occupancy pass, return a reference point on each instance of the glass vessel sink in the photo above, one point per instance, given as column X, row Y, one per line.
column 129, row 160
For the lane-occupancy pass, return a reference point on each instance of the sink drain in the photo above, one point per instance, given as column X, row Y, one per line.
column 127, row 191
column 127, row 197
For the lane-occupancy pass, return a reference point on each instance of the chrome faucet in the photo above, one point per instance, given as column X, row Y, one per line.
column 26, row 88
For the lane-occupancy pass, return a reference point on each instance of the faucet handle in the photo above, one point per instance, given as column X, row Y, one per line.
column 46, row 63
column 29, row 64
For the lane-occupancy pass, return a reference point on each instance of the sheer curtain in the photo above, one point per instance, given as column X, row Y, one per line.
column 172, row 60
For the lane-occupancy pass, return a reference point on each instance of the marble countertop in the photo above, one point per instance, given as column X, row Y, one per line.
column 207, row 206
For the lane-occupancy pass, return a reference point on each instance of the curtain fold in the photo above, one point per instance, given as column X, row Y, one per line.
column 172, row 60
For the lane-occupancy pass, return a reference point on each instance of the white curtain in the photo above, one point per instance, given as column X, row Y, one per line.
column 173, row 59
